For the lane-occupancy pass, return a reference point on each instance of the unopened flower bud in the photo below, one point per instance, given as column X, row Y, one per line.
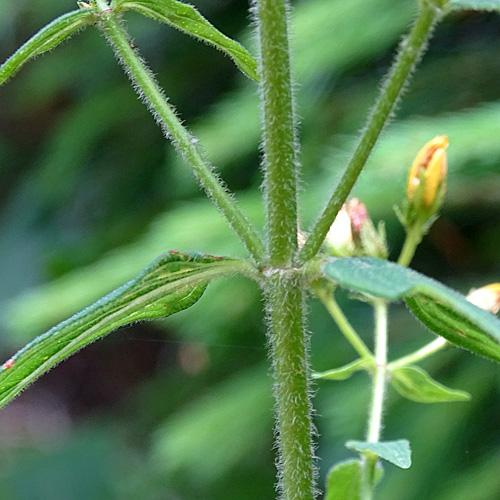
column 339, row 237
column 429, row 166
column 487, row 297
column 358, row 215
column 353, row 233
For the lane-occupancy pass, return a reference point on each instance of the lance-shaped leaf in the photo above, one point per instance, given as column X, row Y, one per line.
column 397, row 452
column 443, row 310
column 187, row 19
column 344, row 372
column 415, row 384
column 46, row 39
column 474, row 4
column 175, row 281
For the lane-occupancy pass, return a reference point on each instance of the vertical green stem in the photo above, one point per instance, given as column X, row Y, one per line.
column 280, row 149
column 411, row 51
column 291, row 370
column 379, row 385
column 379, row 376
column 147, row 88
column 285, row 298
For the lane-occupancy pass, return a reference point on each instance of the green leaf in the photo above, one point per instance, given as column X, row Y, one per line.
column 397, row 452
column 474, row 4
column 443, row 310
column 175, row 281
column 415, row 384
column 344, row 480
column 46, row 39
column 187, row 19
column 344, row 372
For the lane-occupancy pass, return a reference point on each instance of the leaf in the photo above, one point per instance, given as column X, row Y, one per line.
column 415, row 384
column 187, row 19
column 175, row 281
column 443, row 310
column 344, row 481
column 474, row 4
column 344, row 372
column 397, row 452
column 46, row 39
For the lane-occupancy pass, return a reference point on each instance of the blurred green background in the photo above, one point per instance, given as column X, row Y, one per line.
column 91, row 192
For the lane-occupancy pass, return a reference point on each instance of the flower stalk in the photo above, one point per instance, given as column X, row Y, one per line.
column 379, row 385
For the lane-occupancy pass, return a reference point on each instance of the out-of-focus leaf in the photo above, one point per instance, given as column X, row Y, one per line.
column 174, row 282
column 38, row 309
column 440, row 308
column 187, row 19
column 46, row 39
column 219, row 430
column 415, row 384
column 344, row 372
column 344, row 481
column 397, row 452
column 474, row 4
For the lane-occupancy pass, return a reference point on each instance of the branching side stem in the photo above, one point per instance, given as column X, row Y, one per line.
column 411, row 51
column 149, row 90
column 328, row 300
column 422, row 353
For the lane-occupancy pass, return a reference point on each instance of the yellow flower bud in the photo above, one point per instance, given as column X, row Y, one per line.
column 487, row 297
column 431, row 165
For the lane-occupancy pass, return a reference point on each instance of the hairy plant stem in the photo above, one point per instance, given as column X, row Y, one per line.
column 279, row 141
column 288, row 340
column 151, row 93
column 379, row 384
column 284, row 295
column 410, row 52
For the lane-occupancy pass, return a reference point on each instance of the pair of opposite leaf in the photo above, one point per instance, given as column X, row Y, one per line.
column 177, row 14
column 170, row 284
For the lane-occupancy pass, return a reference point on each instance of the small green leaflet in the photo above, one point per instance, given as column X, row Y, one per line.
column 474, row 4
column 443, row 310
column 344, row 480
column 46, row 39
column 397, row 452
column 175, row 281
column 415, row 384
column 344, row 372
column 187, row 19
